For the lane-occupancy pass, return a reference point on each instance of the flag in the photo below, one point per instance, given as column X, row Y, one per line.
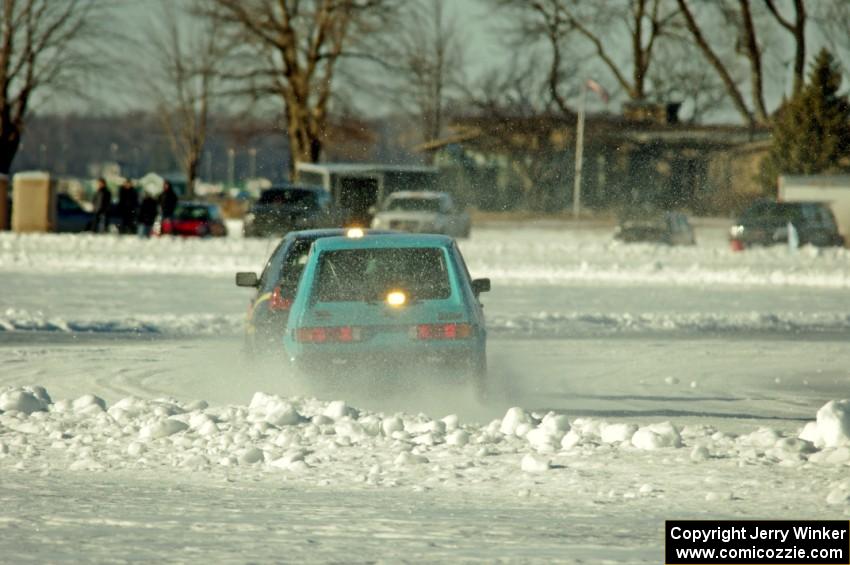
column 597, row 88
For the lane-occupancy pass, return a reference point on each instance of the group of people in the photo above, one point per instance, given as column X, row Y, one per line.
column 133, row 214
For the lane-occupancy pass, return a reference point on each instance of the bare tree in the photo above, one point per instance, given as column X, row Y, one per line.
column 732, row 86
column 42, row 49
column 290, row 49
column 515, row 89
column 431, row 62
column 183, row 80
column 797, row 29
column 598, row 26
column 676, row 77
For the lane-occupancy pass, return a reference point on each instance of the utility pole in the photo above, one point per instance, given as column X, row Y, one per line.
column 579, row 152
column 231, row 167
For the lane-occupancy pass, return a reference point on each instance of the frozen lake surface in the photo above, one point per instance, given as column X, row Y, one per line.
column 655, row 382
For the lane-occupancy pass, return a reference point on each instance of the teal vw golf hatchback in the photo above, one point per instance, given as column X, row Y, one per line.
column 387, row 303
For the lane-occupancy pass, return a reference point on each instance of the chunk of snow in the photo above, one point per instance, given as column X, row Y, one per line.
column 570, row 440
column 86, row 402
column 700, row 453
column 21, row 400
column 657, row 436
column 284, row 415
column 542, row 439
column 458, row 438
column 135, row 449
column 533, row 463
column 162, row 428
column 810, row 432
column 392, row 425
column 339, row 409
column 762, row 437
column 615, row 433
column 250, row 456
column 833, row 421
column 451, row 421
column 512, row 420
column 555, row 423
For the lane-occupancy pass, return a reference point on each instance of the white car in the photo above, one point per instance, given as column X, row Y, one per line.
column 422, row 212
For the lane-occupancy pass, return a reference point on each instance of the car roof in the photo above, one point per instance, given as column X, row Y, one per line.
column 285, row 187
column 389, row 241
column 786, row 203
column 331, row 232
column 418, row 194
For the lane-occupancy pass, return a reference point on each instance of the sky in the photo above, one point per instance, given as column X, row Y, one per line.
column 483, row 36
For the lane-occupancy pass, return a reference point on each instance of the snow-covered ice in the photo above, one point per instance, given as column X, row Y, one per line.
column 130, row 425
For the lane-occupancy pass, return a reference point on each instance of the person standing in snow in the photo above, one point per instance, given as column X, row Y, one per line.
column 128, row 206
column 101, row 203
column 147, row 215
column 167, row 201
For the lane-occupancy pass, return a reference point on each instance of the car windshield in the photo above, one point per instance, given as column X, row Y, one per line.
column 413, row 205
column 355, row 275
column 774, row 211
column 192, row 213
column 290, row 197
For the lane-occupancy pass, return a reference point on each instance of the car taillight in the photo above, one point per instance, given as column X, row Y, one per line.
column 277, row 302
column 443, row 331
column 334, row 334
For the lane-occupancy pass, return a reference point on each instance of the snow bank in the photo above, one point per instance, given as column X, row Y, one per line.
column 310, row 438
column 513, row 257
column 557, row 324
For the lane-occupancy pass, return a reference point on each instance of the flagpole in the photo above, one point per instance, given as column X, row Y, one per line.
column 579, row 152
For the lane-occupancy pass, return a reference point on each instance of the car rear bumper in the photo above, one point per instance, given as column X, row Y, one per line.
column 462, row 357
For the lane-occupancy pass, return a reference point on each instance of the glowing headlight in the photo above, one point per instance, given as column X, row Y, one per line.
column 396, row 298
column 354, row 233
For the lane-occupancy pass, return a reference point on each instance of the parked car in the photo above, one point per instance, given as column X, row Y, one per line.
column 766, row 222
column 393, row 303
column 268, row 309
column 422, row 212
column 70, row 215
column 193, row 219
column 286, row 208
column 670, row 228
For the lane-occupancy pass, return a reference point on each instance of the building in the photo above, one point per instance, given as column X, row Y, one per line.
column 645, row 156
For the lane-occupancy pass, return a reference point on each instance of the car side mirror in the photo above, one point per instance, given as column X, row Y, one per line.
column 247, row 279
column 480, row 285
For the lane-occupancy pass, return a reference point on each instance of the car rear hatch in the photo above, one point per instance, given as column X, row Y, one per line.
column 355, row 300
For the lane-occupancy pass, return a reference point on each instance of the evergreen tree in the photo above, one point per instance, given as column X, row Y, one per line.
column 811, row 132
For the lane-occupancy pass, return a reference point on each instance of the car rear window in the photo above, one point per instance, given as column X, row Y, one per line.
column 289, row 197
column 365, row 275
column 192, row 213
column 413, row 205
